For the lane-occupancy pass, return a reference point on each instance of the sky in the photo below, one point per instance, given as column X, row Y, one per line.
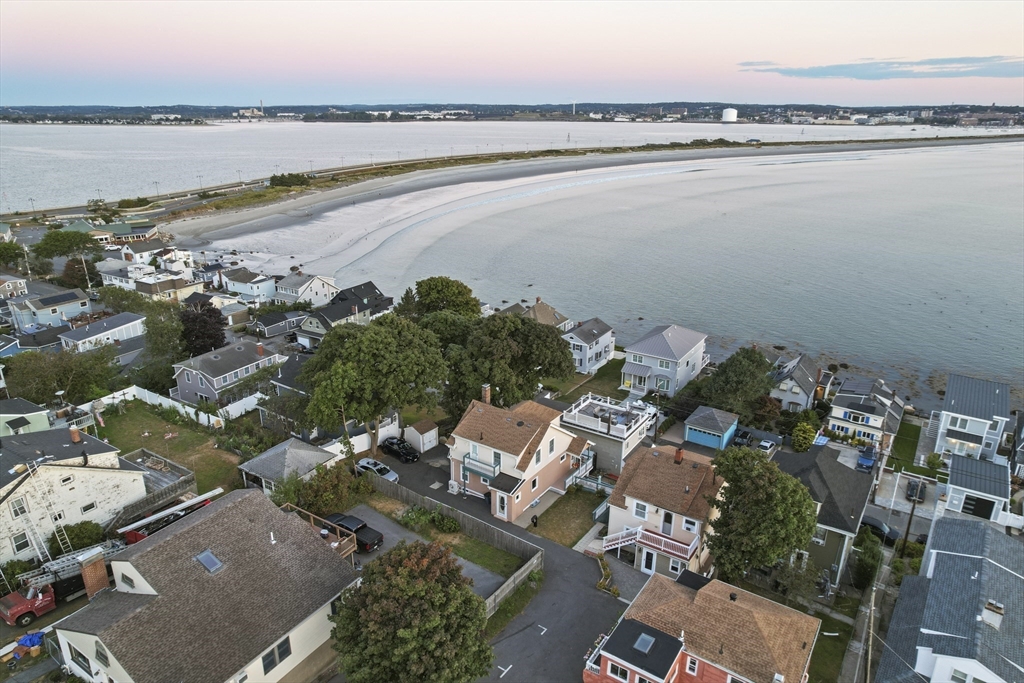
column 237, row 53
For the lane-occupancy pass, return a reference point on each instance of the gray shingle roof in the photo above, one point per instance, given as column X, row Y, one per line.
column 55, row 443
column 145, row 245
column 18, row 406
column 225, row 359
column 976, row 397
column 841, row 490
column 204, row 627
column 801, row 371
column 982, row 476
column 712, row 420
column 101, row 326
column 6, row 340
column 667, row 341
column 288, row 372
column 591, row 330
column 286, row 458
column 899, row 657
column 42, row 338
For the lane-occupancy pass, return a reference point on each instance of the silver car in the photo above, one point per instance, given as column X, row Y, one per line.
column 376, row 467
column 767, row 447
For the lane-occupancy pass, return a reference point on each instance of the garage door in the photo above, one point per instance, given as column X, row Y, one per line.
column 429, row 439
column 979, row 507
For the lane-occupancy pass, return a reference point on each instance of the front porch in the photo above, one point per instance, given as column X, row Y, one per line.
column 635, row 379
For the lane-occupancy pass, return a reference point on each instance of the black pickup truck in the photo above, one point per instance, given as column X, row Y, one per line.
column 367, row 539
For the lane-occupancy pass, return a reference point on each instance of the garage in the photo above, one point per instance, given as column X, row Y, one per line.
column 422, row 435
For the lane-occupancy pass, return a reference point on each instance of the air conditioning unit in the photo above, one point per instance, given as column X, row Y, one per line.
column 453, row 487
column 817, row 541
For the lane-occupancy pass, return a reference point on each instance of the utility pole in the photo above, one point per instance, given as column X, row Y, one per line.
column 28, row 266
column 871, row 630
column 913, row 507
column 200, row 183
column 239, row 176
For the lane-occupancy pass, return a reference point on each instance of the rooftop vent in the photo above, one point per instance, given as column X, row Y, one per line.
column 996, row 607
column 210, row 561
column 215, row 356
column 520, row 423
column 644, row 643
column 732, row 597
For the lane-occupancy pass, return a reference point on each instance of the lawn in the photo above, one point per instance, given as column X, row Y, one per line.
column 413, row 414
column 193, row 447
column 564, row 386
column 905, row 448
column 829, row 651
column 569, row 519
column 605, row 383
column 513, row 605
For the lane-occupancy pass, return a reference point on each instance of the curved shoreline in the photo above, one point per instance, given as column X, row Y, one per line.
column 197, row 231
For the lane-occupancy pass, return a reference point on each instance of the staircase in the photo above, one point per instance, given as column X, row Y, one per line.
column 620, row 539
column 58, row 529
column 931, row 430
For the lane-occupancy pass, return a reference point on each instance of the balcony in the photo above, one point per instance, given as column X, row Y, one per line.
column 70, row 416
column 593, row 657
column 655, row 541
column 704, row 360
column 606, row 416
column 583, row 465
column 481, row 467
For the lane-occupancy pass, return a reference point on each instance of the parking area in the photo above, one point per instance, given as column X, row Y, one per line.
column 485, row 582
column 892, row 494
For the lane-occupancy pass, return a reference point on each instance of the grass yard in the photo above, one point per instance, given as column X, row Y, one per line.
column 829, row 651
column 605, row 383
column 569, row 519
column 513, row 605
column 905, row 447
column 193, row 447
column 564, row 386
column 413, row 414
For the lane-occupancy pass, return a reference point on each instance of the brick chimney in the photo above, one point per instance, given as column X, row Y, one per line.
column 75, row 436
column 355, row 309
column 485, row 394
column 538, row 299
column 94, row 573
column 680, row 456
column 259, row 348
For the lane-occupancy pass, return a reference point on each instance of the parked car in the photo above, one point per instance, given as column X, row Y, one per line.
column 400, row 448
column 916, row 490
column 743, row 438
column 866, row 459
column 367, row 538
column 883, row 531
column 922, row 539
column 377, row 468
column 767, row 447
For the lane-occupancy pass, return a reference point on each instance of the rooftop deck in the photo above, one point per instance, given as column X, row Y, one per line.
column 608, row 416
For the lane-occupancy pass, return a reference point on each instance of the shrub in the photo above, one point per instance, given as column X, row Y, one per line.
column 868, row 561
column 13, row 568
column 934, row 462
column 803, row 437
column 913, row 550
column 915, row 566
column 81, row 535
column 415, row 518
column 446, row 524
column 136, row 203
column 361, row 485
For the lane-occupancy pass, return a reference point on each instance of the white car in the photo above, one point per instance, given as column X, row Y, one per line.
column 767, row 447
column 378, row 468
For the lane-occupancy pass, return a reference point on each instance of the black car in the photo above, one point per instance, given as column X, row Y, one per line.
column 367, row 539
column 743, row 438
column 916, row 490
column 400, row 448
column 883, row 531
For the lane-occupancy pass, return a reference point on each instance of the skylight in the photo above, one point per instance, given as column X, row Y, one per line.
column 644, row 643
column 210, row 561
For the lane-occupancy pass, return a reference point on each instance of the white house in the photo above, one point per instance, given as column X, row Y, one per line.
column 316, row 289
column 974, row 416
column 252, row 288
column 112, row 330
column 12, row 286
column 143, row 251
column 592, row 344
column 799, row 383
column 422, row 436
column 867, row 410
column 664, row 360
column 176, row 592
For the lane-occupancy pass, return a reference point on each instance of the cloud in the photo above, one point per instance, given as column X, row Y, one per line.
column 879, row 70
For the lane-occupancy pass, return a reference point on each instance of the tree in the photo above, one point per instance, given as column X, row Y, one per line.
column 81, row 535
column 202, row 328
column 803, row 437
column 738, row 382
column 36, row 376
column 439, row 294
column 391, row 363
column 119, row 300
column 765, row 514
column 766, row 410
column 73, row 275
column 414, row 618
column 797, row 581
column 868, row 559
column 39, row 266
column 10, row 254
column 67, row 243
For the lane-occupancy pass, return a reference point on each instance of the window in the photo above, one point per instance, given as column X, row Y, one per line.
column 640, row 510
column 276, row 655
column 64, row 481
column 536, row 457
column 473, row 449
column 691, row 666
column 958, row 676
column 637, row 358
column 496, row 458
column 247, row 369
column 234, row 375
column 57, row 516
column 551, row 446
column 533, row 484
column 616, row 671
column 485, row 481
column 188, row 376
column 53, row 311
column 819, row 536
column 18, row 507
column 78, row 658
column 689, row 525
column 994, row 428
column 243, row 678
column 20, row 542
column 988, row 444
column 958, row 422
column 675, row 565
column 101, row 654
column 88, row 507
column 518, row 496
column 662, row 383
column 664, row 364
column 127, row 580
column 562, row 458
column 201, row 382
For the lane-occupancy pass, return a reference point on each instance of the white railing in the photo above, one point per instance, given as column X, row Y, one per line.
column 704, row 360
column 613, row 541
column 595, row 654
column 1011, row 520
column 653, row 540
column 488, row 469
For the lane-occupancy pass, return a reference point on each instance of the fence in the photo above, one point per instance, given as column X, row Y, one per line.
column 132, row 393
column 481, row 531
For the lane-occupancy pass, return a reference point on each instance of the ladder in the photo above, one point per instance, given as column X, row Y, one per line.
column 66, row 566
column 58, row 529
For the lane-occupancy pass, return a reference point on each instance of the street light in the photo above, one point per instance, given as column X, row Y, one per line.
column 310, row 166
column 200, row 182
column 157, row 187
column 239, row 176
column 33, row 202
column 100, row 195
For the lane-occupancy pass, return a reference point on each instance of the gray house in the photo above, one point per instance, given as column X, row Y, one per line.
column 291, row 457
column 979, row 488
column 113, row 330
column 664, row 360
column 30, row 313
column 974, row 416
column 213, row 376
column 18, row 416
column 277, row 323
column 592, row 344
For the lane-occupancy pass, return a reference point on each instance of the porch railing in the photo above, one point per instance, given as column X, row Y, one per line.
column 653, row 540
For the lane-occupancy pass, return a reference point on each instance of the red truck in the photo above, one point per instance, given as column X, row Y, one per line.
column 21, row 607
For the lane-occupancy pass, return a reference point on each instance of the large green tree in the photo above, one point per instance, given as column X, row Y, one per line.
column 67, row 243
column 202, row 328
column 36, row 376
column 438, row 293
column 11, row 254
column 390, row 363
column 164, row 335
column 413, row 619
column 764, row 514
column 738, row 382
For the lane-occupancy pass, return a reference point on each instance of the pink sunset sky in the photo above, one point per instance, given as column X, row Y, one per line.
column 845, row 53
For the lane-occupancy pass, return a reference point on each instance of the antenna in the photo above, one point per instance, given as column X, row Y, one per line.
column 262, row 113
column 272, row 539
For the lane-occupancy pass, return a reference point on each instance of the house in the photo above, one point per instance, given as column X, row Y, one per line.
column 18, row 416
column 840, row 494
column 209, row 272
column 615, row 428
column 178, row 261
column 592, row 344
column 117, row 273
column 128, row 354
column 162, row 287
column 292, row 457
column 799, row 383
column 212, row 376
column 974, row 416
column 711, row 427
column 6, row 234
column 100, row 233
column 320, row 321
column 44, row 339
column 316, row 289
column 513, row 456
column 422, row 436
column 367, row 298
column 11, row 287
column 659, row 511
column 113, row 330
column 8, row 345
column 65, row 476
column 543, row 313
column 235, row 312
column 867, row 410
column 29, row 313
column 664, row 360
column 697, row 629
column 277, row 323
column 962, row 618
column 176, row 591
column 144, row 251
column 252, row 288
column 979, row 488
column 286, row 383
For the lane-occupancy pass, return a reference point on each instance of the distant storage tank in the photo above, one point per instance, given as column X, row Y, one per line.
column 729, row 115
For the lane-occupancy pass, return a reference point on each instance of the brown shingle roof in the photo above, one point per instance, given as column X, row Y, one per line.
column 424, row 426
column 659, row 481
column 577, row 445
column 752, row 637
column 510, row 430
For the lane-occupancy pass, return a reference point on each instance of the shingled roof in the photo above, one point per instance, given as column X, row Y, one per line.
column 712, row 420
column 842, row 491
column 667, row 341
column 205, row 627
column 744, row 633
column 653, row 476
column 286, row 458
column 509, row 430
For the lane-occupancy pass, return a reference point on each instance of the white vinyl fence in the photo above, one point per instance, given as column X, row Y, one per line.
column 132, row 393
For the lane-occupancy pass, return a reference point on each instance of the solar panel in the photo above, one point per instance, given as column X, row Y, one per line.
column 58, row 298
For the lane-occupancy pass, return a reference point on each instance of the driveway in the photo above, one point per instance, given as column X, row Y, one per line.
column 485, row 581
column 549, row 640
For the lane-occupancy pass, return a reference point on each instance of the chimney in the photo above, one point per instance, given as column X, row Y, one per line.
column 259, row 348
column 94, row 572
column 355, row 309
column 680, row 456
column 819, row 376
column 75, row 436
column 485, row 394
column 538, row 299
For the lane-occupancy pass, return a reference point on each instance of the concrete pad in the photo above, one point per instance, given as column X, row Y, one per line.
column 485, row 581
column 588, row 538
column 892, row 495
column 545, row 501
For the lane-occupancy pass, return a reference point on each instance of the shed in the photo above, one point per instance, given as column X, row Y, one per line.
column 422, row 435
column 711, row 427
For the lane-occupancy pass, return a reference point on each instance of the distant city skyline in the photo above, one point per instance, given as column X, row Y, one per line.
column 303, row 53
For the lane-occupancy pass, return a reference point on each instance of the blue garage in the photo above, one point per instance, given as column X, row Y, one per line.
column 711, row 427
